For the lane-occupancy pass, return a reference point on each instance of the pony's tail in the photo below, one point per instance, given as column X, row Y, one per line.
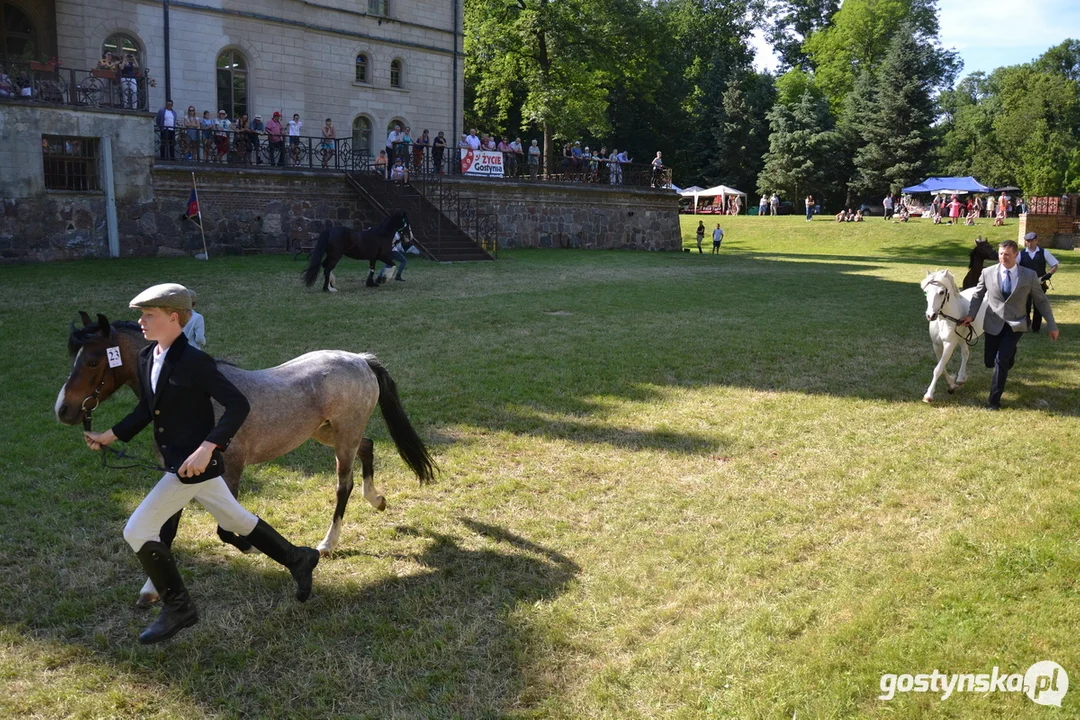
column 312, row 270
column 409, row 445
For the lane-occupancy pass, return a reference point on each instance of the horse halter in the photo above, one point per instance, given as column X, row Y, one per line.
column 88, row 425
column 968, row 335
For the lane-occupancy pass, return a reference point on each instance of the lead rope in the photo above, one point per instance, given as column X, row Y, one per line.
column 121, row 454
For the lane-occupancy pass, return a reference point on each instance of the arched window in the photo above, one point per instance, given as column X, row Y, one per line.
column 121, row 44
column 361, row 136
column 232, row 83
column 396, row 74
column 362, row 68
column 17, row 34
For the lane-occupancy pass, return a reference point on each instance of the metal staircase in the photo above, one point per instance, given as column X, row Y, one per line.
column 446, row 228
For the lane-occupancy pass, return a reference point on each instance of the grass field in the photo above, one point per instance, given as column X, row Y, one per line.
column 672, row 486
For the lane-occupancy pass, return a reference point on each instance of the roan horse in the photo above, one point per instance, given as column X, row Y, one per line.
column 328, row 395
column 945, row 307
column 372, row 244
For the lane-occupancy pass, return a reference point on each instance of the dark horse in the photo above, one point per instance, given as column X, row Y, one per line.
column 982, row 252
column 372, row 244
column 328, row 395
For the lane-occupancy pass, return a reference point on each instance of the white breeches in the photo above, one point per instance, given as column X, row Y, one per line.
column 170, row 495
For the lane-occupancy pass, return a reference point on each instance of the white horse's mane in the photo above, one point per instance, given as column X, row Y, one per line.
column 938, row 275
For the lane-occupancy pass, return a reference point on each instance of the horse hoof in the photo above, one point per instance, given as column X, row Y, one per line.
column 333, row 289
column 927, row 399
column 146, row 600
column 382, row 504
column 251, row 551
column 324, row 553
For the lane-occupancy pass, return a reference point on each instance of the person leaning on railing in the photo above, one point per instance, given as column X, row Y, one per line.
column 129, row 85
column 190, row 144
column 438, row 150
column 275, row 140
column 7, row 88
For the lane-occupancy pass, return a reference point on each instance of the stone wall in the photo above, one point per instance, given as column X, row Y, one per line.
column 578, row 215
column 244, row 212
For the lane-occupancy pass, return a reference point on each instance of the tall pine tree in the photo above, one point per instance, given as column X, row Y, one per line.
column 898, row 137
column 801, row 149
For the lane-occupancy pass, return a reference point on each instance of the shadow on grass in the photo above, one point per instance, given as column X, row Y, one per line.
column 440, row 638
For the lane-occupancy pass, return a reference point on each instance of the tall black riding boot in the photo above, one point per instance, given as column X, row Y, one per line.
column 301, row 561
column 177, row 609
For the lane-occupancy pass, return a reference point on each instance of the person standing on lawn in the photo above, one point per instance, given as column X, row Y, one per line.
column 177, row 382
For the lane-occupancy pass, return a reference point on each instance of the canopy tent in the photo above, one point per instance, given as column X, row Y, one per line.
column 937, row 185
column 722, row 191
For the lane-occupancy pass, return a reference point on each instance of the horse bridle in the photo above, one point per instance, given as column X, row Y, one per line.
column 969, row 336
column 88, row 424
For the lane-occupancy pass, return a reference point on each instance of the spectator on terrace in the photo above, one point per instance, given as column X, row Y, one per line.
column 296, row 126
column 504, row 148
column 190, row 144
column 399, row 173
column 657, row 169
column 576, row 155
column 328, row 146
column 593, row 161
column 419, row 148
column 107, row 61
column 392, row 140
column 222, row 126
column 534, row 159
column 614, row 168
column 129, row 85
column 403, row 145
column 489, row 143
column 463, row 143
column 473, row 140
column 242, row 139
column 275, row 140
column 257, row 129
column 7, row 88
column 518, row 155
column 206, row 132
column 567, row 159
column 165, row 122
column 381, row 164
column 438, row 150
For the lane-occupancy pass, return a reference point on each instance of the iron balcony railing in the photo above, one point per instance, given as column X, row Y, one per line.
column 55, row 85
column 418, row 162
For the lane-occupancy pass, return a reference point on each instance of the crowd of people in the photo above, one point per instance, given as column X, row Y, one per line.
column 955, row 210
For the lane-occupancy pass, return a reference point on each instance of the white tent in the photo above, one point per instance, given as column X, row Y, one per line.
column 722, row 191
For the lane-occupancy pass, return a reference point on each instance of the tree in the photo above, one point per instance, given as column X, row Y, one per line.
column 801, row 146
column 897, row 138
column 791, row 23
column 552, row 61
column 859, row 38
column 742, row 138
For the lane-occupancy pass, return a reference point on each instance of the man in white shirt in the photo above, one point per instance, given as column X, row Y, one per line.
column 1044, row 264
column 1006, row 289
column 473, row 139
column 166, row 127
column 717, row 238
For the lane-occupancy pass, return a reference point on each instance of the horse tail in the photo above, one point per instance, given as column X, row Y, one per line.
column 409, row 445
column 312, row 270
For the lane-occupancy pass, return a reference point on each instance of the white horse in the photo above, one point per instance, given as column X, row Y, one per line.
column 945, row 307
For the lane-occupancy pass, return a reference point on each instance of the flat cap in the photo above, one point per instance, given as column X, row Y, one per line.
column 169, row 296
column 1031, row 236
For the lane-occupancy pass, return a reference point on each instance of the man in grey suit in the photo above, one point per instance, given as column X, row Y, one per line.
column 1005, row 288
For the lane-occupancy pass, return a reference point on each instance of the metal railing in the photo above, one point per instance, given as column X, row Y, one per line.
column 419, row 163
column 1064, row 205
column 55, row 85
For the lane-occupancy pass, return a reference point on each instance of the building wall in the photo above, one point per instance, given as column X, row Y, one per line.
column 576, row 215
column 301, row 55
column 1055, row 231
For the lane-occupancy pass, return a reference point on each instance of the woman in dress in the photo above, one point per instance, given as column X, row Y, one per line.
column 189, row 143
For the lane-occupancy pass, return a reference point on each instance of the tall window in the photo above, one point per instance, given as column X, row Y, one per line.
column 377, row 7
column 16, row 33
column 232, row 84
column 71, row 163
column 120, row 45
column 395, row 73
column 361, row 136
column 361, row 68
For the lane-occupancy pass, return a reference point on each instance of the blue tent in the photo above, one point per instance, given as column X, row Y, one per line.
column 937, row 184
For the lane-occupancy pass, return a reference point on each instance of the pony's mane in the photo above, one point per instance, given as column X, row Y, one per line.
column 79, row 337
column 938, row 275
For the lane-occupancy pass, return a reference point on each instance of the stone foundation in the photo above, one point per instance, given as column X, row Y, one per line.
column 1057, row 232
column 578, row 215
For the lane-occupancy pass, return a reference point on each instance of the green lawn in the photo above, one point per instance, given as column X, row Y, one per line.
column 673, row 486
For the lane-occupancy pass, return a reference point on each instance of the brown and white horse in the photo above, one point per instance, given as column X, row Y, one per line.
column 327, row 395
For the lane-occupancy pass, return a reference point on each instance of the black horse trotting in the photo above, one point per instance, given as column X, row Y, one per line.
column 372, row 245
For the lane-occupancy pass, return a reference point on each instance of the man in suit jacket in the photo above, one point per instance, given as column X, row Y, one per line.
column 177, row 382
column 1005, row 288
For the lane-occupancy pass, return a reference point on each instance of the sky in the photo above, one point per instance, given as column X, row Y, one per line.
column 988, row 33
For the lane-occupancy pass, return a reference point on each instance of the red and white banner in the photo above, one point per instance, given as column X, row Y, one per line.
column 488, row 163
